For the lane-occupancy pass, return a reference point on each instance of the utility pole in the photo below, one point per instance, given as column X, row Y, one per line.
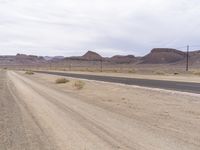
column 101, row 64
column 187, row 59
column 70, row 65
column 50, row 65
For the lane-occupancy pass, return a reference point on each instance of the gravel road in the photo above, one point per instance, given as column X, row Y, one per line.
column 37, row 117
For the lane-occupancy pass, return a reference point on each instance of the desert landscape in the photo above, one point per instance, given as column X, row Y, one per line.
column 74, row 108
column 41, row 111
column 99, row 75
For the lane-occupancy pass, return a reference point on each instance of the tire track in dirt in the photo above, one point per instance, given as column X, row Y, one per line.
column 18, row 130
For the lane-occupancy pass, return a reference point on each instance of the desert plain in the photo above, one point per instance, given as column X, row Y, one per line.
column 37, row 113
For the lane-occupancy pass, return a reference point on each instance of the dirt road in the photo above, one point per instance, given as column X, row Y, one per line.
column 36, row 116
column 19, row 130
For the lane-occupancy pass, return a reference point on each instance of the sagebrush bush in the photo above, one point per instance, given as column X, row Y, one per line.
column 132, row 71
column 79, row 84
column 29, row 72
column 196, row 73
column 159, row 72
column 176, row 73
column 61, row 81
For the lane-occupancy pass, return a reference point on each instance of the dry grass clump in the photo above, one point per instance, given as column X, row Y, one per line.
column 91, row 70
column 196, row 73
column 132, row 71
column 115, row 71
column 79, row 84
column 176, row 73
column 29, row 72
column 61, row 81
column 158, row 72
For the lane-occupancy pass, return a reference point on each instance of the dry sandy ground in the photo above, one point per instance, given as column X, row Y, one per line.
column 35, row 113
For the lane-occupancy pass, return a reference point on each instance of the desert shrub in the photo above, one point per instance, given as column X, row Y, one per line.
column 90, row 69
column 115, row 70
column 176, row 73
column 29, row 72
column 132, row 71
column 196, row 73
column 159, row 72
column 79, row 84
column 61, row 81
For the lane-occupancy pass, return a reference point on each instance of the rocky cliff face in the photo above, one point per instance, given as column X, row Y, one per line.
column 163, row 55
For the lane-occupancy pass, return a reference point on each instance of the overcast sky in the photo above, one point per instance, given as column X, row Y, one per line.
column 109, row 27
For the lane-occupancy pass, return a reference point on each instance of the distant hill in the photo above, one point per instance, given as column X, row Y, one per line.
column 194, row 58
column 163, row 56
column 53, row 58
column 21, row 59
column 123, row 59
column 90, row 55
column 156, row 56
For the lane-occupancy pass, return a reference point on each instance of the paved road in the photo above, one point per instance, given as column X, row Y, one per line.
column 190, row 87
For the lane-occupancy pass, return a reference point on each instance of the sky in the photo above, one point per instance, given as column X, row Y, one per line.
column 109, row 27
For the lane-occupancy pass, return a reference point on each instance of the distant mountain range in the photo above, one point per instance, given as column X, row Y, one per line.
column 21, row 59
column 156, row 56
column 53, row 57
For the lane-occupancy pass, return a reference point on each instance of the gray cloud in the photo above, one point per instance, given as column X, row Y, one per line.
column 70, row 27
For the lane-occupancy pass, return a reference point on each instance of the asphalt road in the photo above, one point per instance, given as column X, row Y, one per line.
column 190, row 87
